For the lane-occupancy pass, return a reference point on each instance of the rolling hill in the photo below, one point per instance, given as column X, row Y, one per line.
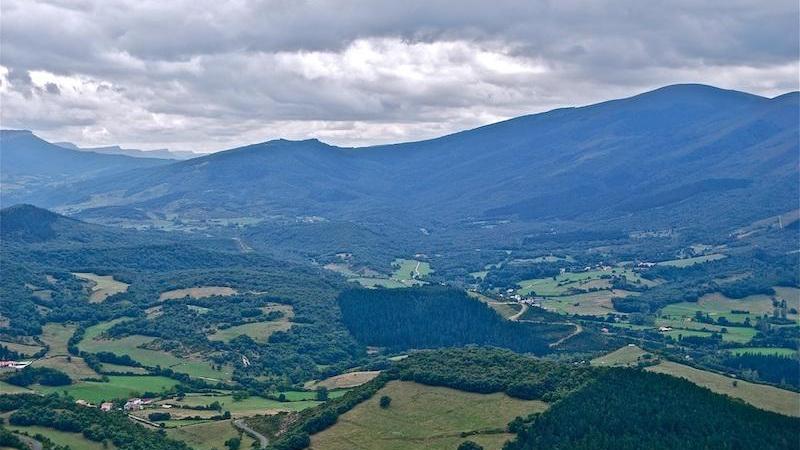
column 682, row 155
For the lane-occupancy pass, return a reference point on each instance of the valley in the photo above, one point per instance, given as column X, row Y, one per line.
column 295, row 294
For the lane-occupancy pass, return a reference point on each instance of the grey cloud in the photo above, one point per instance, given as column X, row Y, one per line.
column 205, row 74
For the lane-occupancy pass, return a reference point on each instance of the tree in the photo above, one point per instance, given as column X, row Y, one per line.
column 233, row 443
column 385, row 401
column 469, row 445
column 322, row 393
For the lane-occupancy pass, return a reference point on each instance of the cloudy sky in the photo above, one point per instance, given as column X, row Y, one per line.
column 206, row 75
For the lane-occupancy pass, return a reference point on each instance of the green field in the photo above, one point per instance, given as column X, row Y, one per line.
column 597, row 303
column 686, row 262
column 378, row 282
column 249, row 406
column 549, row 287
column 629, row 355
column 410, row 269
column 209, row 435
column 24, row 349
column 75, row 441
column 6, row 388
column 118, row 386
column 197, row 292
column 406, row 272
column 776, row 351
column 259, row 331
column 424, row 417
column 73, row 366
column 101, row 286
column 761, row 396
column 684, row 328
column 717, row 305
column 115, row 368
column 506, row 309
column 130, row 345
column 56, row 336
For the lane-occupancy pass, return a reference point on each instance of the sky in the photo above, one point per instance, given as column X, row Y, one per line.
column 207, row 75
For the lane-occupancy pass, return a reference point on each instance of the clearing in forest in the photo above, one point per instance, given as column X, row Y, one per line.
column 134, row 346
column 101, row 286
column 345, row 380
column 198, row 292
column 425, row 417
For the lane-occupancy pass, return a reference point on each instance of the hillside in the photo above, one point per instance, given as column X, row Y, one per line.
column 29, row 164
column 649, row 160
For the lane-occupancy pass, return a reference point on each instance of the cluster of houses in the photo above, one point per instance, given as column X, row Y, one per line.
column 133, row 404
column 5, row 364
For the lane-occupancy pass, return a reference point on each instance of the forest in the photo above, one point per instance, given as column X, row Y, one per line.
column 625, row 409
column 435, row 316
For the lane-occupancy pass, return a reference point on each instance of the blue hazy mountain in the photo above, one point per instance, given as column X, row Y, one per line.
column 161, row 153
column 29, row 164
column 679, row 151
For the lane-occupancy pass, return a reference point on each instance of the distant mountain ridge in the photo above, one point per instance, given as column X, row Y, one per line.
column 718, row 156
column 29, row 164
column 161, row 153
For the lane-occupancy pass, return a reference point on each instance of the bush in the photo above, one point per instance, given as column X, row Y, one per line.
column 385, row 401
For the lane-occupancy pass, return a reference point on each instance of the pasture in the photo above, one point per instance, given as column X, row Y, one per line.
column 192, row 365
column 23, row 349
column 717, row 305
column 773, row 351
column 101, row 286
column 371, row 283
column 425, row 417
column 505, row 309
column 629, row 355
column 563, row 284
column 56, row 336
column 74, row 441
column 209, row 435
column 6, row 388
column 197, row 292
column 761, row 396
column 686, row 262
column 345, row 380
column 597, row 303
column 73, row 366
column 258, row 331
column 406, row 270
column 246, row 407
column 118, row 386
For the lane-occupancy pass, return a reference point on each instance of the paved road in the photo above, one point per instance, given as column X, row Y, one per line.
column 239, row 423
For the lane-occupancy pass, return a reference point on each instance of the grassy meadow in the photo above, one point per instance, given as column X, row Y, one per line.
column 424, row 417
column 131, row 346
column 118, row 386
column 101, row 286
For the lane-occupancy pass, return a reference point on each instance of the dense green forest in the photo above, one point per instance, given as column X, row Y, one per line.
column 629, row 409
column 487, row 370
column 429, row 317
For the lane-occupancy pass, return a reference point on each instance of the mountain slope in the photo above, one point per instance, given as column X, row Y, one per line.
column 28, row 164
column 684, row 154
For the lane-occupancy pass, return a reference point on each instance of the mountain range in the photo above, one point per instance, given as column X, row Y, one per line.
column 680, row 156
column 161, row 153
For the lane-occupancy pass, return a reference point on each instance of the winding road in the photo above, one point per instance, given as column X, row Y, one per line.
column 242, row 425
